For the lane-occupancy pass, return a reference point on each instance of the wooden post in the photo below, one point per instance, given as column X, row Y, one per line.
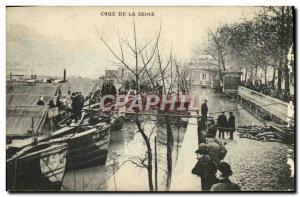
column 114, row 174
column 74, row 180
column 155, row 160
column 90, row 100
column 33, row 132
column 51, row 125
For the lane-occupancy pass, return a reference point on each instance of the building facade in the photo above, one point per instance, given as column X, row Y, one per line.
column 202, row 70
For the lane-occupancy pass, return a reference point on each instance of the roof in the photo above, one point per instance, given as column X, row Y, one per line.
column 19, row 119
column 28, row 95
column 110, row 74
column 33, row 90
column 21, row 107
column 25, row 100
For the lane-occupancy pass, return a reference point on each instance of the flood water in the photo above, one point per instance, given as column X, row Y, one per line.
column 119, row 173
column 252, row 171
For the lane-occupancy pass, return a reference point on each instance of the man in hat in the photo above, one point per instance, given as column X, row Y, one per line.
column 205, row 168
column 80, row 104
column 204, row 111
column 75, row 106
column 222, row 124
column 231, row 124
column 41, row 101
column 224, row 184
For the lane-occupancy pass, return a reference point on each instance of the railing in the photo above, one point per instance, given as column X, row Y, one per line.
column 272, row 105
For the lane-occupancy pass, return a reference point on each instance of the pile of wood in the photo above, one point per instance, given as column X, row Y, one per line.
column 259, row 133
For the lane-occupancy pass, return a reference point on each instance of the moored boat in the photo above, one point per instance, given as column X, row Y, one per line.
column 88, row 147
column 39, row 167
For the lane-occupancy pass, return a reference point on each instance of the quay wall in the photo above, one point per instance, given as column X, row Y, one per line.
column 263, row 105
column 183, row 179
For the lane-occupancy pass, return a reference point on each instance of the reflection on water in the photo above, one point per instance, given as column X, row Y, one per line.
column 121, row 172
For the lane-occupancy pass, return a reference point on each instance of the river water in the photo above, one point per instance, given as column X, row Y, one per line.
column 256, row 165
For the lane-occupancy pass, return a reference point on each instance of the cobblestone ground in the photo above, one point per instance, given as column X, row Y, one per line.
column 259, row 166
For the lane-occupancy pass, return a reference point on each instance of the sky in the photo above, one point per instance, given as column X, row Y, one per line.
column 45, row 40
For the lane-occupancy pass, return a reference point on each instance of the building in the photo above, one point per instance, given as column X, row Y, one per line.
column 23, row 115
column 203, row 71
column 231, row 81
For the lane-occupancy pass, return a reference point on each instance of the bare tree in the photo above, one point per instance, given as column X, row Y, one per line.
column 162, row 69
column 217, row 48
column 136, row 70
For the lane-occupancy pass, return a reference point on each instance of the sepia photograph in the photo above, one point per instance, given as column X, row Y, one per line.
column 150, row 99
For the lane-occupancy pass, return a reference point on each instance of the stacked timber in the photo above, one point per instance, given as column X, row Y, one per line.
column 259, row 133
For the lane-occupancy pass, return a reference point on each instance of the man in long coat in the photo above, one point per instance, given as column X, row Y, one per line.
column 204, row 111
column 231, row 124
column 222, row 124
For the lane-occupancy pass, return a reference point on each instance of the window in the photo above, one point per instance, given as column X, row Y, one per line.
column 204, row 76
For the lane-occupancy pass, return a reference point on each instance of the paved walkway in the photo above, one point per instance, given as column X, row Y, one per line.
column 183, row 179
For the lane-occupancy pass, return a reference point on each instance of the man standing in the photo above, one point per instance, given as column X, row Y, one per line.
column 80, row 103
column 204, row 111
column 222, row 124
column 75, row 106
column 231, row 124
column 205, row 168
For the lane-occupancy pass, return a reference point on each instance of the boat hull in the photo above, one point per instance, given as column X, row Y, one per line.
column 40, row 168
column 89, row 148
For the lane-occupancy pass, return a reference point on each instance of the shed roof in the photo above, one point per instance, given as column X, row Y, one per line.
column 21, row 107
column 33, row 90
column 19, row 119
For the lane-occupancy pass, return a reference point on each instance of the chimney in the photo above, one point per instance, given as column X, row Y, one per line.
column 65, row 74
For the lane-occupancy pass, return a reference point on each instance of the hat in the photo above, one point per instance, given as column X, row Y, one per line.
column 202, row 149
column 224, row 168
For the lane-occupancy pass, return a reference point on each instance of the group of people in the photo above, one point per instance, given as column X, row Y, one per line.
column 214, row 172
column 224, row 125
column 72, row 103
column 108, row 88
column 41, row 101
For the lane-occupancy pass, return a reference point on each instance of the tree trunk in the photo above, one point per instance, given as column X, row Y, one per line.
column 149, row 152
column 256, row 71
column 279, row 78
column 287, row 80
column 169, row 150
column 223, row 63
column 273, row 78
column 266, row 78
column 251, row 74
column 246, row 73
